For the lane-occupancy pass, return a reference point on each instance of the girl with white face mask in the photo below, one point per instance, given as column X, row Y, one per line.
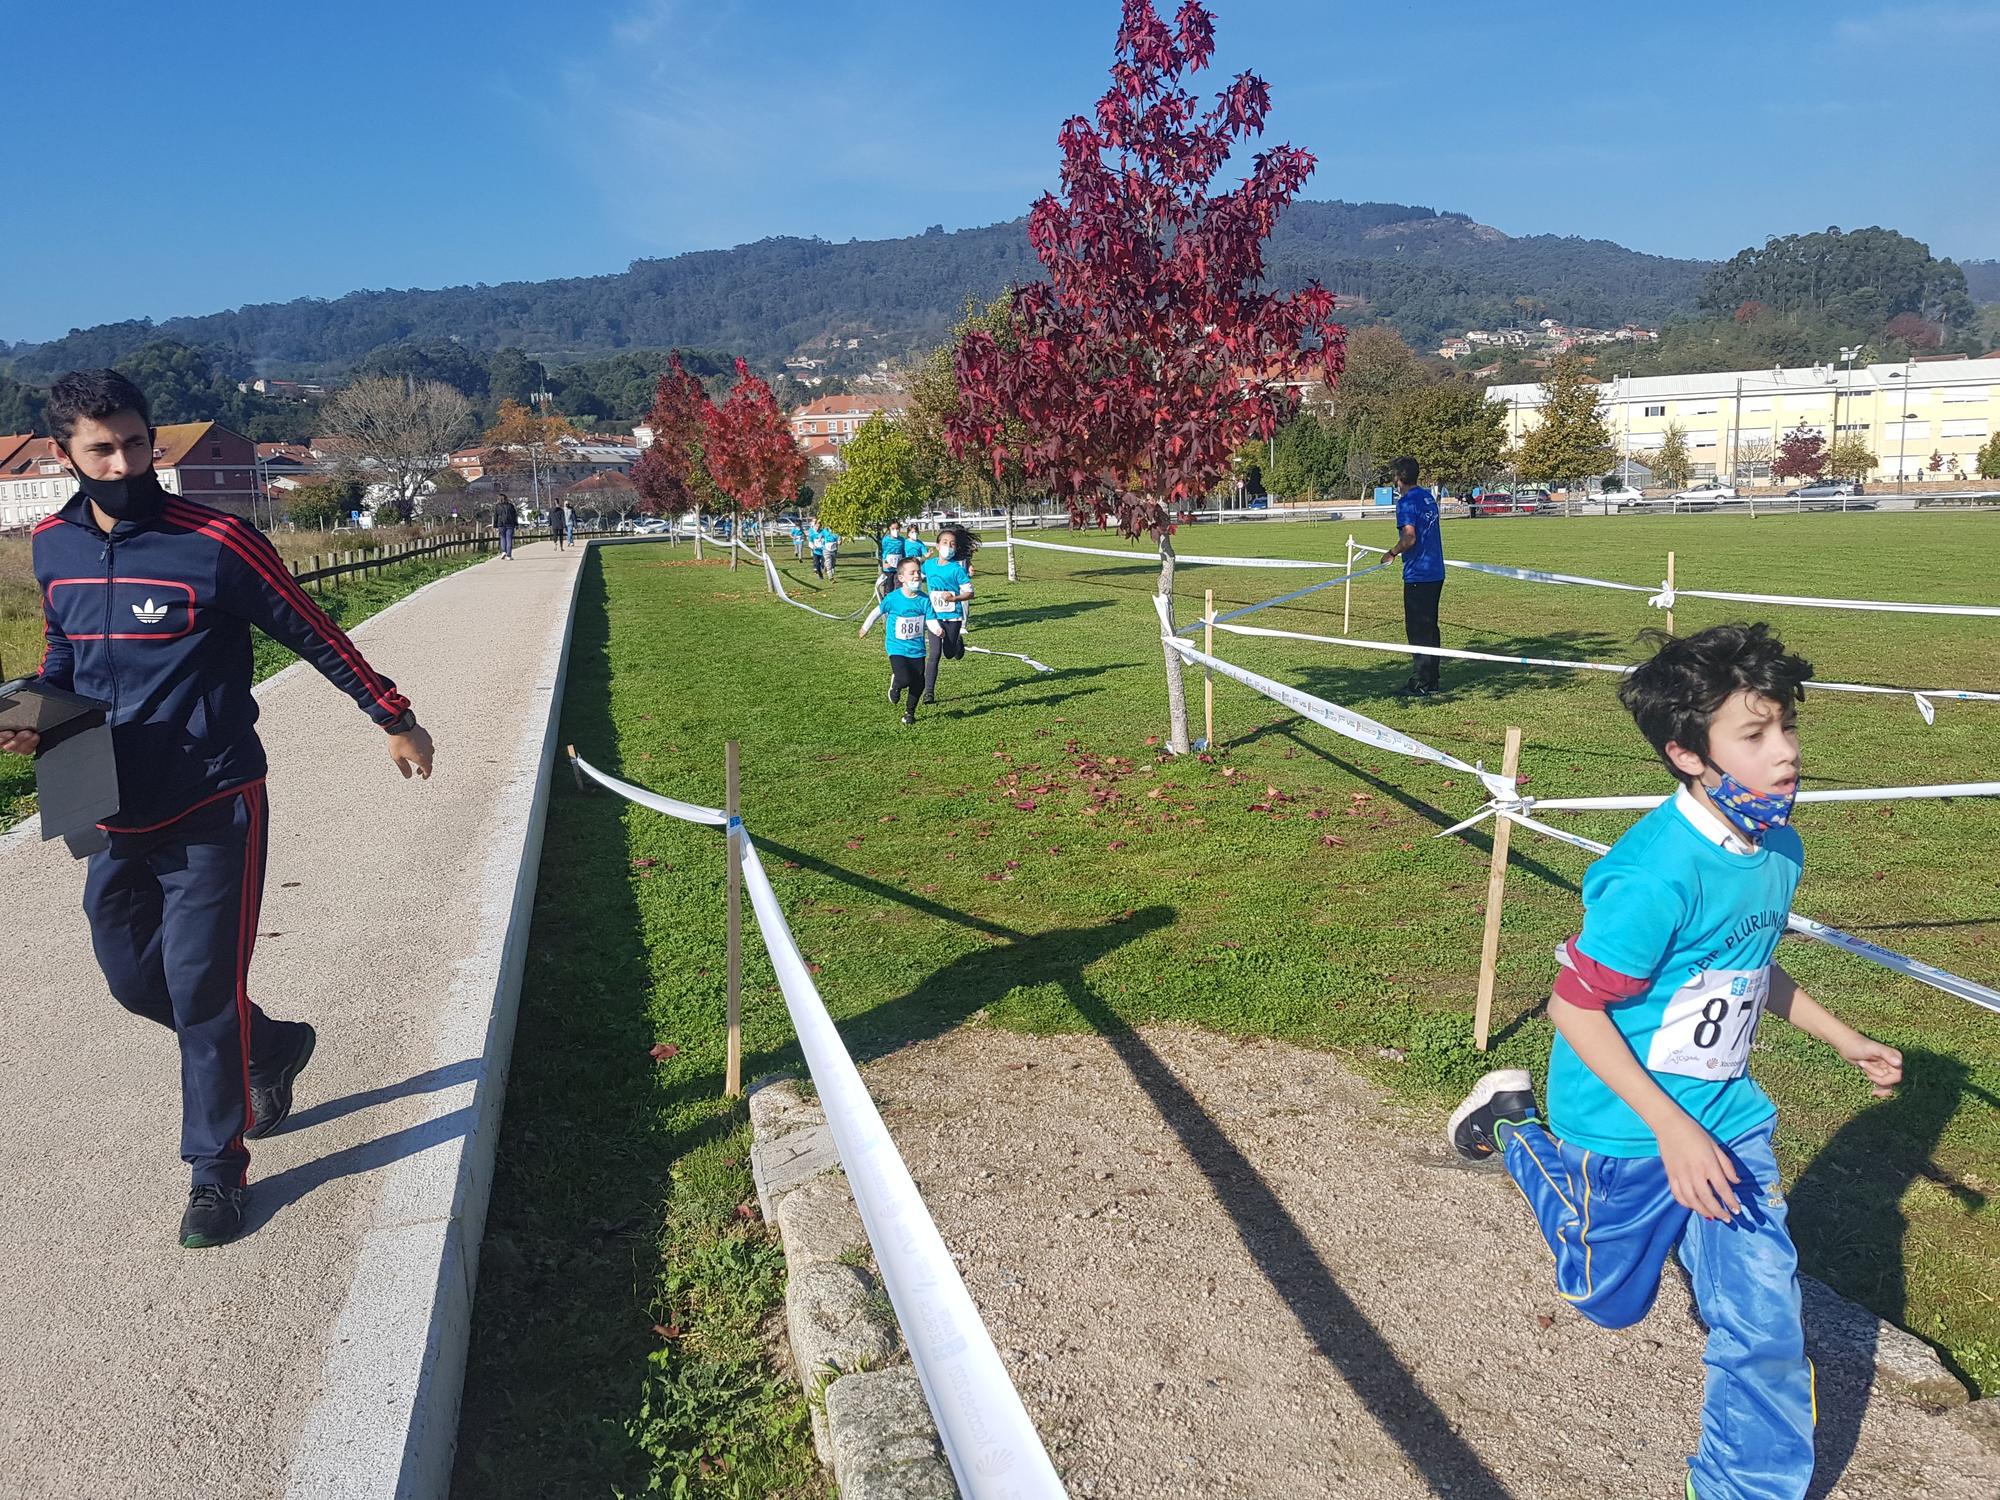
column 948, row 578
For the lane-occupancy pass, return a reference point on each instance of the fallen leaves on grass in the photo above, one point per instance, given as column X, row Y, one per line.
column 662, row 1051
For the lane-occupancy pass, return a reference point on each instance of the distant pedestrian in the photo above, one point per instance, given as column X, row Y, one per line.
column 559, row 525
column 798, row 542
column 1420, row 543
column 506, row 518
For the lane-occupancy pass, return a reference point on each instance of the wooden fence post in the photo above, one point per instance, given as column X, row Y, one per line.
column 1207, row 673
column 1496, row 889
column 733, row 1074
column 1670, row 589
column 1347, row 590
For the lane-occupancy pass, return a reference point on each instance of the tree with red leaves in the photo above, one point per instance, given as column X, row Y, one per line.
column 1802, row 454
column 1130, row 377
column 752, row 455
column 672, row 473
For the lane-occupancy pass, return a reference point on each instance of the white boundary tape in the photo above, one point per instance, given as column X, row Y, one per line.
column 994, row 1450
column 1911, row 968
column 1664, row 597
column 778, row 586
column 1508, row 803
column 1921, row 696
column 1193, row 559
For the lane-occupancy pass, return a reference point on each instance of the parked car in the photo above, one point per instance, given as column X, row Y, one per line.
column 1607, row 502
column 1703, row 496
column 1501, row 503
column 1830, row 494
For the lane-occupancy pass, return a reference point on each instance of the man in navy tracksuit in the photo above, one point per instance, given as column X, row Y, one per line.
column 148, row 600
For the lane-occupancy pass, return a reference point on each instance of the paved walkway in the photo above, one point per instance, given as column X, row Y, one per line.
column 129, row 1367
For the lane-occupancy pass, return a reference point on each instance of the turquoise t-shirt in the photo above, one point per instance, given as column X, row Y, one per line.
column 915, row 546
column 1669, row 905
column 892, row 553
column 944, row 580
column 903, row 622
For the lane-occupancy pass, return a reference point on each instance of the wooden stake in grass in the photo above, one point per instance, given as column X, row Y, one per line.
column 1496, row 888
column 1347, row 591
column 733, row 1075
column 1012, row 575
column 1670, row 589
column 1207, row 675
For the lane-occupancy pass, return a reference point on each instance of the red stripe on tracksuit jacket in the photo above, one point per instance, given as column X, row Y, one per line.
column 154, row 618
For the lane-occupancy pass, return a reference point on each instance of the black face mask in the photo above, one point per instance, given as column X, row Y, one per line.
column 138, row 497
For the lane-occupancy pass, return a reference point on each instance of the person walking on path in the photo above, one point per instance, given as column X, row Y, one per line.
column 1657, row 1140
column 148, row 604
column 948, row 580
column 1420, row 543
column 505, row 519
column 906, row 621
column 559, row 525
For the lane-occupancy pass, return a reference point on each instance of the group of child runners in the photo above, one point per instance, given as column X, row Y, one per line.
column 922, row 602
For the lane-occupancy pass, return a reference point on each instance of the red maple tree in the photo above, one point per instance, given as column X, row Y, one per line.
column 1152, row 351
column 752, row 455
column 669, row 472
column 1802, row 454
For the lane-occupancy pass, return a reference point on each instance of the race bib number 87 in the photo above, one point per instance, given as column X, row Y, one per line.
column 1709, row 1024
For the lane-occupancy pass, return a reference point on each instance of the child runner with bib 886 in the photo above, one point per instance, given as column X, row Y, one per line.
column 906, row 619
column 1656, row 1139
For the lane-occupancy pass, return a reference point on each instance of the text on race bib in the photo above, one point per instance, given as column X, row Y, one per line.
column 1709, row 1024
column 944, row 601
column 909, row 627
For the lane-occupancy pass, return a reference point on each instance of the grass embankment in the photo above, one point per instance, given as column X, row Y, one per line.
column 1026, row 836
column 353, row 600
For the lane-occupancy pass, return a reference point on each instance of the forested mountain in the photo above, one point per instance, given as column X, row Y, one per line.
column 1982, row 279
column 1423, row 271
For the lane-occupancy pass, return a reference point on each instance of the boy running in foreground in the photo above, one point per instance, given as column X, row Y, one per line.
column 1657, row 1138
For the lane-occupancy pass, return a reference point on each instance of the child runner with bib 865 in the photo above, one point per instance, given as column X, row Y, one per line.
column 906, row 619
column 948, row 580
column 1657, row 1140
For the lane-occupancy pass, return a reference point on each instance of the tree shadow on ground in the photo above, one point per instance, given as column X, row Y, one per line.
column 1279, row 1247
column 1041, row 679
column 1847, row 1219
column 1478, row 838
column 1463, row 680
column 999, row 617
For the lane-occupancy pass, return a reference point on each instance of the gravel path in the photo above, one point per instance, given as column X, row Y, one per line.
column 1230, row 1268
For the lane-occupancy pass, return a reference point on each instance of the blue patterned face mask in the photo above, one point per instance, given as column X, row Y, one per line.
column 1752, row 813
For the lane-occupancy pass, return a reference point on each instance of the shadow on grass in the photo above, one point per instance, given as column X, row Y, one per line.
column 1463, row 680
column 1281, row 1250
column 1042, row 679
column 1478, row 838
column 1848, row 1221
column 999, row 618
column 560, row 1338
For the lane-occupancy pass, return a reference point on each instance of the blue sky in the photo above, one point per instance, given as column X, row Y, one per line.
column 189, row 158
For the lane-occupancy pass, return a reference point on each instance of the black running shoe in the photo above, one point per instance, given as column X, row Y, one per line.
column 895, row 692
column 930, row 697
column 214, row 1217
column 271, row 1086
column 1506, row 1094
column 908, row 720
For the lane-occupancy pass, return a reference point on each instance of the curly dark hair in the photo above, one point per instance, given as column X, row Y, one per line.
column 95, row 394
column 963, row 543
column 1676, row 695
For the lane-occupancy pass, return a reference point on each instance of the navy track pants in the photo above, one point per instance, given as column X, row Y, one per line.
column 173, row 918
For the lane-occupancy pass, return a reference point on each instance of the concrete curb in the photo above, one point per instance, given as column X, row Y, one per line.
column 871, row 1425
column 386, row 1424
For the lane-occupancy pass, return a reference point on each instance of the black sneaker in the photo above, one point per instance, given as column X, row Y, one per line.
column 895, row 693
column 930, row 697
column 908, row 720
column 271, row 1088
column 1506, row 1094
column 214, row 1217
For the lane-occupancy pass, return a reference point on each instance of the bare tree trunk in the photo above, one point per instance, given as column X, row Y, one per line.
column 697, row 533
column 1177, row 718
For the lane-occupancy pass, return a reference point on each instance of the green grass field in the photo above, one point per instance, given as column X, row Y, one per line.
column 1029, row 831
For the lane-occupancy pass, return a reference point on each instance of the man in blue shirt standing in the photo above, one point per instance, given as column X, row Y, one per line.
column 1420, row 543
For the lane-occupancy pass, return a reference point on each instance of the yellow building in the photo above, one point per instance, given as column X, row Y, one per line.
column 1732, row 422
